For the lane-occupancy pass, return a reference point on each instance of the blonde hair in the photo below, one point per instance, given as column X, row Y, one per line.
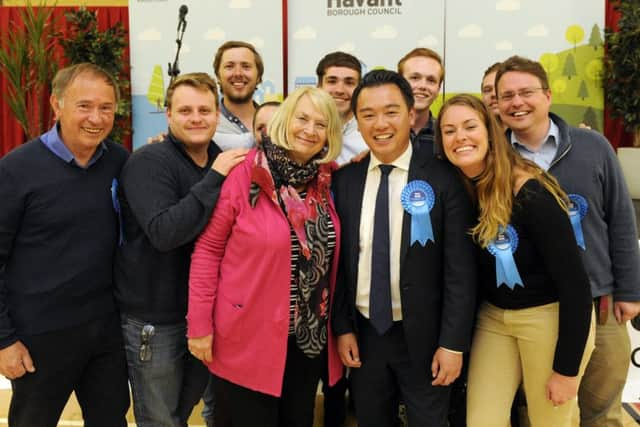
column 200, row 81
column 279, row 124
column 423, row 52
column 494, row 187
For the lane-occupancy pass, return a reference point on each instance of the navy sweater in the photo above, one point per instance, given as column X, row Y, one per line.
column 58, row 232
column 166, row 200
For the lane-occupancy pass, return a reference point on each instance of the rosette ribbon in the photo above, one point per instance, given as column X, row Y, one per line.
column 578, row 207
column 418, row 199
column 502, row 248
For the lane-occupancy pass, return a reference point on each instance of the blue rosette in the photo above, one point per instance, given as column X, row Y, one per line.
column 502, row 248
column 578, row 207
column 418, row 199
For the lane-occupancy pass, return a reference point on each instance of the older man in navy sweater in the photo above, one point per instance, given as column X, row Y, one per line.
column 59, row 329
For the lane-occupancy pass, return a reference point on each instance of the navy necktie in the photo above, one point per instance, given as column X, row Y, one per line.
column 380, row 293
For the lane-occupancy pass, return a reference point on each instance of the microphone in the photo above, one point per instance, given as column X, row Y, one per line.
column 183, row 12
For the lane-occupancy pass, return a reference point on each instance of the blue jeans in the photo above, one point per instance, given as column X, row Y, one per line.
column 169, row 382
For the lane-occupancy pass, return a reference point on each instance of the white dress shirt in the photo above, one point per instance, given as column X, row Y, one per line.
column 397, row 182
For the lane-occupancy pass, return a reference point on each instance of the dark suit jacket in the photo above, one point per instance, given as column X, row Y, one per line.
column 437, row 281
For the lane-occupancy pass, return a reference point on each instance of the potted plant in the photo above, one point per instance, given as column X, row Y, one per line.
column 28, row 61
column 622, row 66
column 84, row 42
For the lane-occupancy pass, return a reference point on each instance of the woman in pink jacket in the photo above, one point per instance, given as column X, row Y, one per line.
column 263, row 271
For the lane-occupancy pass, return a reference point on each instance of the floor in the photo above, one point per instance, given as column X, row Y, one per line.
column 72, row 417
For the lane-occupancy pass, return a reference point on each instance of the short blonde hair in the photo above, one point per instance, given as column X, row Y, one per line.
column 200, row 81
column 322, row 101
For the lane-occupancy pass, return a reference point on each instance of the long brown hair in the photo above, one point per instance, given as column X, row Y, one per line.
column 494, row 187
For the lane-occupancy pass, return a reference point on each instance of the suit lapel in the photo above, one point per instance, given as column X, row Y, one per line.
column 416, row 171
column 355, row 194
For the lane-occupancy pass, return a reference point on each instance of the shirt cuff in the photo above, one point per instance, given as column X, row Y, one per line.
column 451, row 351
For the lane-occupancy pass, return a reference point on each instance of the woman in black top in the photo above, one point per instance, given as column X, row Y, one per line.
column 535, row 322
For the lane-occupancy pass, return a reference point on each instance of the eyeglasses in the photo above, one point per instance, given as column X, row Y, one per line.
column 147, row 333
column 522, row 93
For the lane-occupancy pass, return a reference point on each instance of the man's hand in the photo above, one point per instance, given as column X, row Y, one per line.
column 158, row 138
column 348, row 350
column 445, row 367
column 15, row 361
column 561, row 388
column 626, row 310
column 201, row 348
column 228, row 159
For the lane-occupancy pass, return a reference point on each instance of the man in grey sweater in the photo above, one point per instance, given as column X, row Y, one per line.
column 602, row 214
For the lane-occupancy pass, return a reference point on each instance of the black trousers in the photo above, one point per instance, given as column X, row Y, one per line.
column 88, row 359
column 335, row 405
column 387, row 375
column 242, row 407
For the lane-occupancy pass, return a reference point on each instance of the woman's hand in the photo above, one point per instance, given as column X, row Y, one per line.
column 561, row 388
column 201, row 348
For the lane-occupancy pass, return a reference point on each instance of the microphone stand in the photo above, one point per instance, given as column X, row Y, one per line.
column 173, row 70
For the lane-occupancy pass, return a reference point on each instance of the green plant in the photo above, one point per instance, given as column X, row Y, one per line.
column 84, row 42
column 28, row 60
column 622, row 66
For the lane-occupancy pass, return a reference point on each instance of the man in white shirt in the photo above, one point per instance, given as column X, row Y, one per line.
column 338, row 74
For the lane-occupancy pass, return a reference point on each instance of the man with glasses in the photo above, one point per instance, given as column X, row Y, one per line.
column 167, row 194
column 59, row 327
column 603, row 218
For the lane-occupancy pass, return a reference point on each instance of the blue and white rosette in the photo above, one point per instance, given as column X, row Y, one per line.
column 502, row 248
column 578, row 207
column 418, row 199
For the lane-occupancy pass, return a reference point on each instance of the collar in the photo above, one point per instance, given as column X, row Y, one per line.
column 232, row 117
column 351, row 126
column 554, row 131
column 180, row 146
column 428, row 128
column 402, row 162
column 51, row 139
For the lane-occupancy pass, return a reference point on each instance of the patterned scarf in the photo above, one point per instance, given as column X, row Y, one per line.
column 309, row 219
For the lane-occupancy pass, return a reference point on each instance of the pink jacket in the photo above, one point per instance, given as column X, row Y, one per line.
column 239, row 287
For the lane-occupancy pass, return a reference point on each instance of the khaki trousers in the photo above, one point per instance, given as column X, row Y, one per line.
column 512, row 347
column 600, row 393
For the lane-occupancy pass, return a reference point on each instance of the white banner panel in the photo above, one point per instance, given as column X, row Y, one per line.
column 210, row 23
column 377, row 32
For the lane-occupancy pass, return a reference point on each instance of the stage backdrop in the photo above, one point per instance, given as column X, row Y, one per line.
column 209, row 24
column 379, row 33
column 565, row 36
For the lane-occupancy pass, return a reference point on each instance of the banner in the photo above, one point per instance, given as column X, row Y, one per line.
column 153, row 33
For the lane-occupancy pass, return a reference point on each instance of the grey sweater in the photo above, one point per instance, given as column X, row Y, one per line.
column 586, row 164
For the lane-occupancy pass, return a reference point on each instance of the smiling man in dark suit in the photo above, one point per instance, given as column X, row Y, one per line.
column 405, row 298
